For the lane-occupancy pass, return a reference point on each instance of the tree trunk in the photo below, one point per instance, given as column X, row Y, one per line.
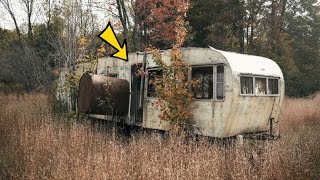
column 123, row 18
column 30, row 35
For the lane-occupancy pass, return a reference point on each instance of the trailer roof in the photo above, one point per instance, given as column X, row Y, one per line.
column 239, row 63
column 249, row 64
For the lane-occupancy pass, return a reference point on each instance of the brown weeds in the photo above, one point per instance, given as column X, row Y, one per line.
column 36, row 144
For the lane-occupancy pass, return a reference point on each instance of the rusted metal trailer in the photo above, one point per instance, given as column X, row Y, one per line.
column 238, row 93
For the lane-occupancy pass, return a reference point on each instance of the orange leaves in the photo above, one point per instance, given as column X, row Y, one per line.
column 101, row 51
column 83, row 41
column 173, row 88
column 158, row 18
column 89, row 53
column 179, row 106
column 141, row 73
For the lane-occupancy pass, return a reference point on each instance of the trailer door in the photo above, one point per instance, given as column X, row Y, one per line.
column 137, row 87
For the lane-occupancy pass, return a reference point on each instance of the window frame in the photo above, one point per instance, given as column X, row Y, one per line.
column 214, row 81
column 254, row 85
column 278, row 94
column 213, row 72
column 147, row 81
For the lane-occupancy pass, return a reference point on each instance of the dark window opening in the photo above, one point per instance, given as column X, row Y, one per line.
column 205, row 76
column 273, row 86
column 220, row 82
column 112, row 75
column 136, row 95
column 152, row 75
column 246, row 85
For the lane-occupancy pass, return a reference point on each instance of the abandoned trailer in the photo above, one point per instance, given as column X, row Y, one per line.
column 238, row 93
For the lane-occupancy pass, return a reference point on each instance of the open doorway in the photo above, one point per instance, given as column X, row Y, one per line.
column 137, row 87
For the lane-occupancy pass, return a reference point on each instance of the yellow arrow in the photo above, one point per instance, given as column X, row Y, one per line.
column 108, row 36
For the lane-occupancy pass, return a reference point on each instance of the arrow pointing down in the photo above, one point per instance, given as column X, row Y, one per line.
column 108, row 36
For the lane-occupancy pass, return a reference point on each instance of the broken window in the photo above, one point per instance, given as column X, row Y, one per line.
column 220, row 82
column 205, row 76
column 152, row 75
column 260, row 86
column 246, row 85
column 273, row 86
column 115, row 75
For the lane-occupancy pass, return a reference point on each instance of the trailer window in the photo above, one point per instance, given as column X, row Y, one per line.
column 112, row 75
column 260, row 86
column 205, row 77
column 220, row 82
column 273, row 86
column 152, row 75
column 246, row 85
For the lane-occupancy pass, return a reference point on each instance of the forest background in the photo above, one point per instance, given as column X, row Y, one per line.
column 47, row 35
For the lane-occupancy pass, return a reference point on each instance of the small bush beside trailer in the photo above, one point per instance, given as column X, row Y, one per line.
column 238, row 93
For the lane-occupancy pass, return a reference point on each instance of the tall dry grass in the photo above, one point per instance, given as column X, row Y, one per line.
column 36, row 144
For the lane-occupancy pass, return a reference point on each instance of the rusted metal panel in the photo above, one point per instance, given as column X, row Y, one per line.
column 103, row 95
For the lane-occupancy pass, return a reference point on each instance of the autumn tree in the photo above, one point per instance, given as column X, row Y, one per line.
column 159, row 22
column 145, row 22
column 173, row 88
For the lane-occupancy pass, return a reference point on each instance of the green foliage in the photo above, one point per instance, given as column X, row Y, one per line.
column 43, row 35
column 7, row 37
column 216, row 23
column 72, row 86
column 304, row 30
column 30, row 62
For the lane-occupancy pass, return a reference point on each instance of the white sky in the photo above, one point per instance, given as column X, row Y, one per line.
column 6, row 21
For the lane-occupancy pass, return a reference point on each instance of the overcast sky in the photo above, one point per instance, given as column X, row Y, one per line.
column 7, row 23
column 37, row 17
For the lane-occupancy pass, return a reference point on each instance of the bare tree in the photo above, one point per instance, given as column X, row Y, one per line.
column 48, row 8
column 28, row 8
column 124, row 11
column 76, row 17
column 7, row 4
column 123, row 15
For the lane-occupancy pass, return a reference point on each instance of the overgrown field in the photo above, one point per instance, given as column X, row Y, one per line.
column 36, row 144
